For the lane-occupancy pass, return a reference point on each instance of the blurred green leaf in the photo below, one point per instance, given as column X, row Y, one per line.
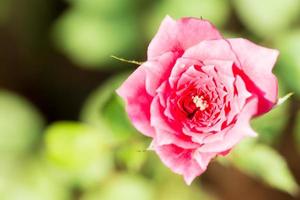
column 115, row 116
column 90, row 41
column 269, row 132
column 5, row 6
column 297, row 131
column 175, row 188
column 8, row 168
column 124, row 187
column 289, row 60
column 20, row 124
column 263, row 162
column 80, row 151
column 170, row 185
column 103, row 8
column 29, row 180
column 132, row 155
column 217, row 11
column 267, row 18
column 105, row 110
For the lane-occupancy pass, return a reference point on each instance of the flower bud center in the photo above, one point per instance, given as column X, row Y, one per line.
column 200, row 102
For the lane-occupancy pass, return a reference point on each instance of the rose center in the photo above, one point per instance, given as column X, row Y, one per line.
column 200, row 102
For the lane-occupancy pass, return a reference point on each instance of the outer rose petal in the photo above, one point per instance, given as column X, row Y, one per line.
column 180, row 161
column 177, row 36
column 138, row 101
column 158, row 70
column 211, row 50
column 257, row 62
column 203, row 159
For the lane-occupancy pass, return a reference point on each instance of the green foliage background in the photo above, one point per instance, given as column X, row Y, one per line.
column 64, row 134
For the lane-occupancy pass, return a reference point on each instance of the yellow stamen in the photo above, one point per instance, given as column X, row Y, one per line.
column 200, row 102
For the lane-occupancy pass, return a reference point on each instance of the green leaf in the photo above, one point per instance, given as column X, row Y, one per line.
column 170, row 185
column 175, row 188
column 132, row 155
column 217, row 11
column 80, row 151
column 262, row 162
column 105, row 110
column 269, row 132
column 267, row 18
column 89, row 41
column 297, row 131
column 103, row 8
column 20, row 124
column 5, row 8
column 123, row 187
column 30, row 180
column 289, row 61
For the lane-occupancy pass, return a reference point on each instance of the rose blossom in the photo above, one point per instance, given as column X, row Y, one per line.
column 197, row 92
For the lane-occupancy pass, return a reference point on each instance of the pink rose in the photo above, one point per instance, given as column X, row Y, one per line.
column 197, row 92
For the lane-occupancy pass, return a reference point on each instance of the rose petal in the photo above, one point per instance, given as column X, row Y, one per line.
column 243, row 93
column 162, row 93
column 159, row 120
column 192, row 74
column 181, row 65
column 165, row 138
column 222, row 66
column 216, row 137
column 203, row 159
column 137, row 101
column 180, row 161
column 196, row 136
column 211, row 50
column 158, row 70
column 237, row 132
column 177, row 36
column 257, row 62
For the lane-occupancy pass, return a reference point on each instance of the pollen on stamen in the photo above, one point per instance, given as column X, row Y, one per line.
column 200, row 102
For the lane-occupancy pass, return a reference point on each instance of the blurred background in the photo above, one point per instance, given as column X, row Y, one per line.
column 64, row 134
